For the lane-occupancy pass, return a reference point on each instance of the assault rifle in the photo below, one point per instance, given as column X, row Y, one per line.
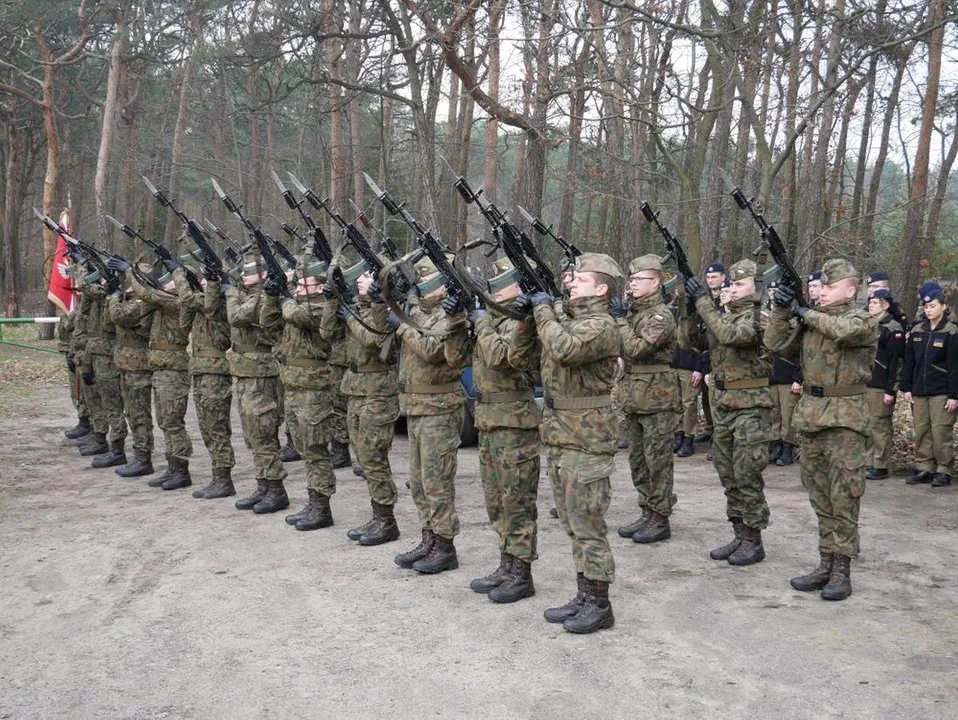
column 570, row 251
column 161, row 252
column 674, row 250
column 514, row 243
column 386, row 245
column 233, row 252
column 82, row 251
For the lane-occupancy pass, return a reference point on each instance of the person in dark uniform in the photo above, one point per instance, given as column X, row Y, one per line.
column 814, row 287
column 883, row 385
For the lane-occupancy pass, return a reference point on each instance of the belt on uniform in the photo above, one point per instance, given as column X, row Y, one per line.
column 133, row 344
column 369, row 367
column 746, row 384
column 417, row 389
column 209, row 353
column 167, row 346
column 305, row 363
column 253, row 348
column 649, row 369
column 578, row 403
column 502, row 397
column 833, row 390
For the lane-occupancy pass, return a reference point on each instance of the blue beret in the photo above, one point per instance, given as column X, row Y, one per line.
column 876, row 277
column 817, row 275
column 727, row 284
column 931, row 291
column 715, row 267
column 773, row 284
column 882, row 294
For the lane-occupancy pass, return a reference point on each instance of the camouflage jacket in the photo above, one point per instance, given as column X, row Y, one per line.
column 168, row 337
column 204, row 313
column 430, row 366
column 504, row 394
column 648, row 335
column 306, row 352
column 334, row 332
column 251, row 344
column 64, row 332
column 81, row 325
column 579, row 357
column 735, row 355
column 367, row 375
column 837, row 349
column 102, row 331
column 133, row 321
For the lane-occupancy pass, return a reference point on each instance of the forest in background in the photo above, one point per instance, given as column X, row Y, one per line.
column 840, row 116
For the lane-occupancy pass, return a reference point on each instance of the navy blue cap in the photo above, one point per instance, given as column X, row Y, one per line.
column 773, row 284
column 715, row 267
column 930, row 291
column 817, row 275
column 882, row 294
column 726, row 283
column 874, row 277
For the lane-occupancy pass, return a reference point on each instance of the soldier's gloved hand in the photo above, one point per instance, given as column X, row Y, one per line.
column 375, row 293
column 118, row 264
column 210, row 272
column 477, row 314
column 171, row 263
column 618, row 307
column 522, row 304
column 272, row 287
column 112, row 285
column 695, row 288
column 71, row 363
column 342, row 312
column 224, row 286
column 393, row 319
column 541, row 298
column 88, row 378
column 784, row 295
column 330, row 290
column 452, row 305
column 800, row 311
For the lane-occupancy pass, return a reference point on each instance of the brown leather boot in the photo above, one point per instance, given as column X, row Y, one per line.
column 274, row 499
column 442, row 556
column 385, row 528
column 655, row 530
column 142, row 465
column 407, row 559
column 250, row 500
column 750, row 550
column 627, row 531
column 220, row 486
column 357, row 532
column 596, row 611
column 517, row 586
column 839, row 584
column 496, row 577
column 570, row 609
column 318, row 513
column 817, row 578
column 181, row 475
column 114, row 457
column 159, row 480
column 724, row 552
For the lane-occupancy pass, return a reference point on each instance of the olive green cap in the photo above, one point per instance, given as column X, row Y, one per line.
column 598, row 263
column 644, row 263
column 742, row 269
column 837, row 269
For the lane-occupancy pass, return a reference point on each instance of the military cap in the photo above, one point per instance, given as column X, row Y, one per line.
column 813, row 276
column 882, row 294
column 874, row 277
column 742, row 269
column 837, row 269
column 726, row 283
column 252, row 264
column 425, row 267
column 506, row 275
column 931, row 291
column 315, row 269
column 598, row 263
column 502, row 265
column 715, row 268
column 645, row 262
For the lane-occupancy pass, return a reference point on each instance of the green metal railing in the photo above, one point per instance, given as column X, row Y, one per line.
column 27, row 321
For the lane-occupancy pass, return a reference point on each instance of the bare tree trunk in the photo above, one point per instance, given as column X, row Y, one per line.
column 108, row 129
column 941, row 189
column 11, row 219
column 490, row 182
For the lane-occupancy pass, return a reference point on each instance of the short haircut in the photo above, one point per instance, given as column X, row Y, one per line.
column 608, row 281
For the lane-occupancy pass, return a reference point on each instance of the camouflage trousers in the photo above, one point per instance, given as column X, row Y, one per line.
column 213, row 400
column 309, row 414
column 137, row 389
column 509, row 468
column 833, row 473
column 934, row 434
column 740, row 448
column 785, row 402
column 109, row 406
column 709, row 425
column 582, row 490
column 76, row 395
column 372, row 422
column 340, row 405
column 171, row 396
column 433, row 449
column 258, row 402
column 651, row 459
column 880, row 436
column 688, row 414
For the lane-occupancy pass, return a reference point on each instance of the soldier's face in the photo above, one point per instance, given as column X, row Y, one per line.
column 814, row 290
column 567, row 279
column 507, row 293
column 933, row 310
column 585, row 284
column 309, row 286
column 877, row 307
column 714, row 280
column 644, row 283
column 744, row 287
column 363, row 282
column 837, row 292
column 725, row 295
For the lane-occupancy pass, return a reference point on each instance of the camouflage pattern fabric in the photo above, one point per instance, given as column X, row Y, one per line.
column 107, row 387
column 334, row 332
column 509, row 470
column 934, row 434
column 372, row 422
column 433, row 449
column 650, row 459
column 137, row 391
column 740, row 450
column 133, row 321
column 648, row 336
column 880, row 434
column 251, row 344
column 259, row 416
column 687, row 419
column 171, row 396
column 785, row 403
column 213, row 400
column 340, row 405
column 81, row 333
column 309, row 415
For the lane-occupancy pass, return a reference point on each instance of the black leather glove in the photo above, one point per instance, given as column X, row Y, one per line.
column 224, row 286
column 330, row 290
column 171, row 263
column 118, row 264
column 800, row 311
column 272, row 287
column 210, row 272
column 393, row 319
column 88, row 378
column 375, row 293
column 452, row 305
column 618, row 307
column 477, row 315
column 112, row 285
column 696, row 289
column 783, row 296
column 342, row 312
column 541, row 298
column 71, row 364
column 522, row 304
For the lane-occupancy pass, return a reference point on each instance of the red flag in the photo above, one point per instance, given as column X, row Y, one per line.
column 61, row 291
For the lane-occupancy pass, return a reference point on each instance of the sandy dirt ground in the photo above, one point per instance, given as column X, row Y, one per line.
column 124, row 601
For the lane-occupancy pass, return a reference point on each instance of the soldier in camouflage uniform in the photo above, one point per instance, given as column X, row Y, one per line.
column 578, row 364
column 431, row 398
column 65, row 346
column 78, row 348
column 741, row 408
column 307, row 384
column 132, row 358
column 837, row 349
column 256, row 370
column 338, row 363
column 507, row 419
column 371, row 387
column 648, row 333
column 883, row 384
column 204, row 313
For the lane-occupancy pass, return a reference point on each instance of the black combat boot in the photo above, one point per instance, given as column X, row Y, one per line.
column 702, row 437
column 294, row 517
column 275, row 499
column 339, row 456
column 288, row 452
column 442, row 556
column 496, row 577
column 357, row 532
column 114, row 457
column 786, row 457
column 724, row 552
column 180, row 478
column 774, row 451
column 655, row 530
column 318, row 513
column 688, row 447
column 596, row 611
column 750, row 550
column 95, row 446
column 553, row 513
column 407, row 559
column 359, row 472
column 81, row 429
column 167, row 474
column 142, row 465
column 385, row 528
column 922, row 477
column 839, row 584
column 220, row 486
column 627, row 531
column 517, row 586
column 876, row 473
column 677, row 441
column 250, row 500
column 817, row 578
column 941, row 480
column 570, row 609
